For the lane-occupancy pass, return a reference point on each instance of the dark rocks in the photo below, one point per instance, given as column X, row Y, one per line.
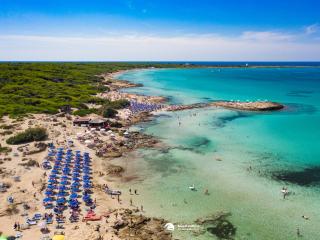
column 218, row 225
column 139, row 227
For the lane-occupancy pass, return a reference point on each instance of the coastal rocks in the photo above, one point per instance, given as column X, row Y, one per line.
column 115, row 170
column 249, row 106
column 30, row 163
column 139, row 227
column 237, row 105
column 218, row 225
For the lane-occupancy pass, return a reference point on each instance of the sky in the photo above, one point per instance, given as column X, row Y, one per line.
column 160, row 30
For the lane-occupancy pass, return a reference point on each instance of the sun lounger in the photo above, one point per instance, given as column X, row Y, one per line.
column 31, row 222
column 59, row 220
column 24, row 226
column 92, row 218
column 37, row 216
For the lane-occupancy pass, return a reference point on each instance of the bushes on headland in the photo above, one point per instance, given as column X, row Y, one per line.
column 46, row 87
column 107, row 109
column 29, row 135
column 109, row 113
column 84, row 112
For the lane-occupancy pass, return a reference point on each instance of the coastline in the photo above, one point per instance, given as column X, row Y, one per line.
column 101, row 162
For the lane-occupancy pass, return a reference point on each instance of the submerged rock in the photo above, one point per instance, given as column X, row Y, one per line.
column 218, row 225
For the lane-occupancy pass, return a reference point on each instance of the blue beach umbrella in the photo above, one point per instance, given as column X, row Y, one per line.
column 48, row 199
column 61, row 200
column 74, row 195
column 49, row 193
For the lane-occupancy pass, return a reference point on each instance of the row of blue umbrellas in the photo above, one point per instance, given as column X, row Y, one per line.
column 68, row 168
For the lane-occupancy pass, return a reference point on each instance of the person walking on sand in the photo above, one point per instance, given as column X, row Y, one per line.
column 130, row 191
column 141, row 208
column 130, row 201
column 135, row 191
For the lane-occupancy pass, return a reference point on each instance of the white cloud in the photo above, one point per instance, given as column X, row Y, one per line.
column 312, row 28
column 266, row 36
column 255, row 46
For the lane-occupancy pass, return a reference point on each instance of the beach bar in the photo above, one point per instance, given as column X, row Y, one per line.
column 81, row 121
column 99, row 123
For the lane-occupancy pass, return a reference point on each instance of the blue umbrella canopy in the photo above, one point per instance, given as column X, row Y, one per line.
column 61, row 200
column 74, row 195
column 48, row 199
column 64, row 183
column 49, row 193
column 61, row 194
column 62, row 187
column 76, row 179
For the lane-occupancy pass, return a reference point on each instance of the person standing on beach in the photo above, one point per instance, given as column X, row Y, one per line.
column 130, row 201
column 130, row 191
column 135, row 191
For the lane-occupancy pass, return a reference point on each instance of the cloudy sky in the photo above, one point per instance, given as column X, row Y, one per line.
column 176, row 30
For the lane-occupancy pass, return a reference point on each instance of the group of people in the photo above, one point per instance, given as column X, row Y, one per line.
column 137, row 107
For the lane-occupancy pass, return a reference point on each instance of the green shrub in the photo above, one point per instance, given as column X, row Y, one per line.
column 118, row 104
column 6, row 127
column 7, row 132
column 5, row 149
column 29, row 135
column 84, row 112
column 109, row 113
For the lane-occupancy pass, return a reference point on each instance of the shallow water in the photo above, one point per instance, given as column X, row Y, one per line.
column 213, row 149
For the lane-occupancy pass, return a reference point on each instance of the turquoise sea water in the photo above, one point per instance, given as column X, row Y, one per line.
column 282, row 148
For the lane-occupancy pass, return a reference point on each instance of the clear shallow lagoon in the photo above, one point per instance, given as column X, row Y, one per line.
column 279, row 145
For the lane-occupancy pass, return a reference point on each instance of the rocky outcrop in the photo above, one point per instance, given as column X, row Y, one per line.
column 139, row 227
column 218, row 225
column 249, row 106
column 242, row 106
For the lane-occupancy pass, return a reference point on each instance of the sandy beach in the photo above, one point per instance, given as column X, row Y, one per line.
column 25, row 179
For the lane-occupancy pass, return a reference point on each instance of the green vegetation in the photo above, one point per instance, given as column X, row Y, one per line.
column 83, row 112
column 7, row 132
column 109, row 113
column 46, row 87
column 5, row 149
column 118, row 104
column 29, row 135
column 6, row 127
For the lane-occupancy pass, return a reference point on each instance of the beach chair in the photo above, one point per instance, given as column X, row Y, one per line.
column 37, row 216
column 91, row 218
column 31, row 222
column 24, row 226
column 60, row 221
